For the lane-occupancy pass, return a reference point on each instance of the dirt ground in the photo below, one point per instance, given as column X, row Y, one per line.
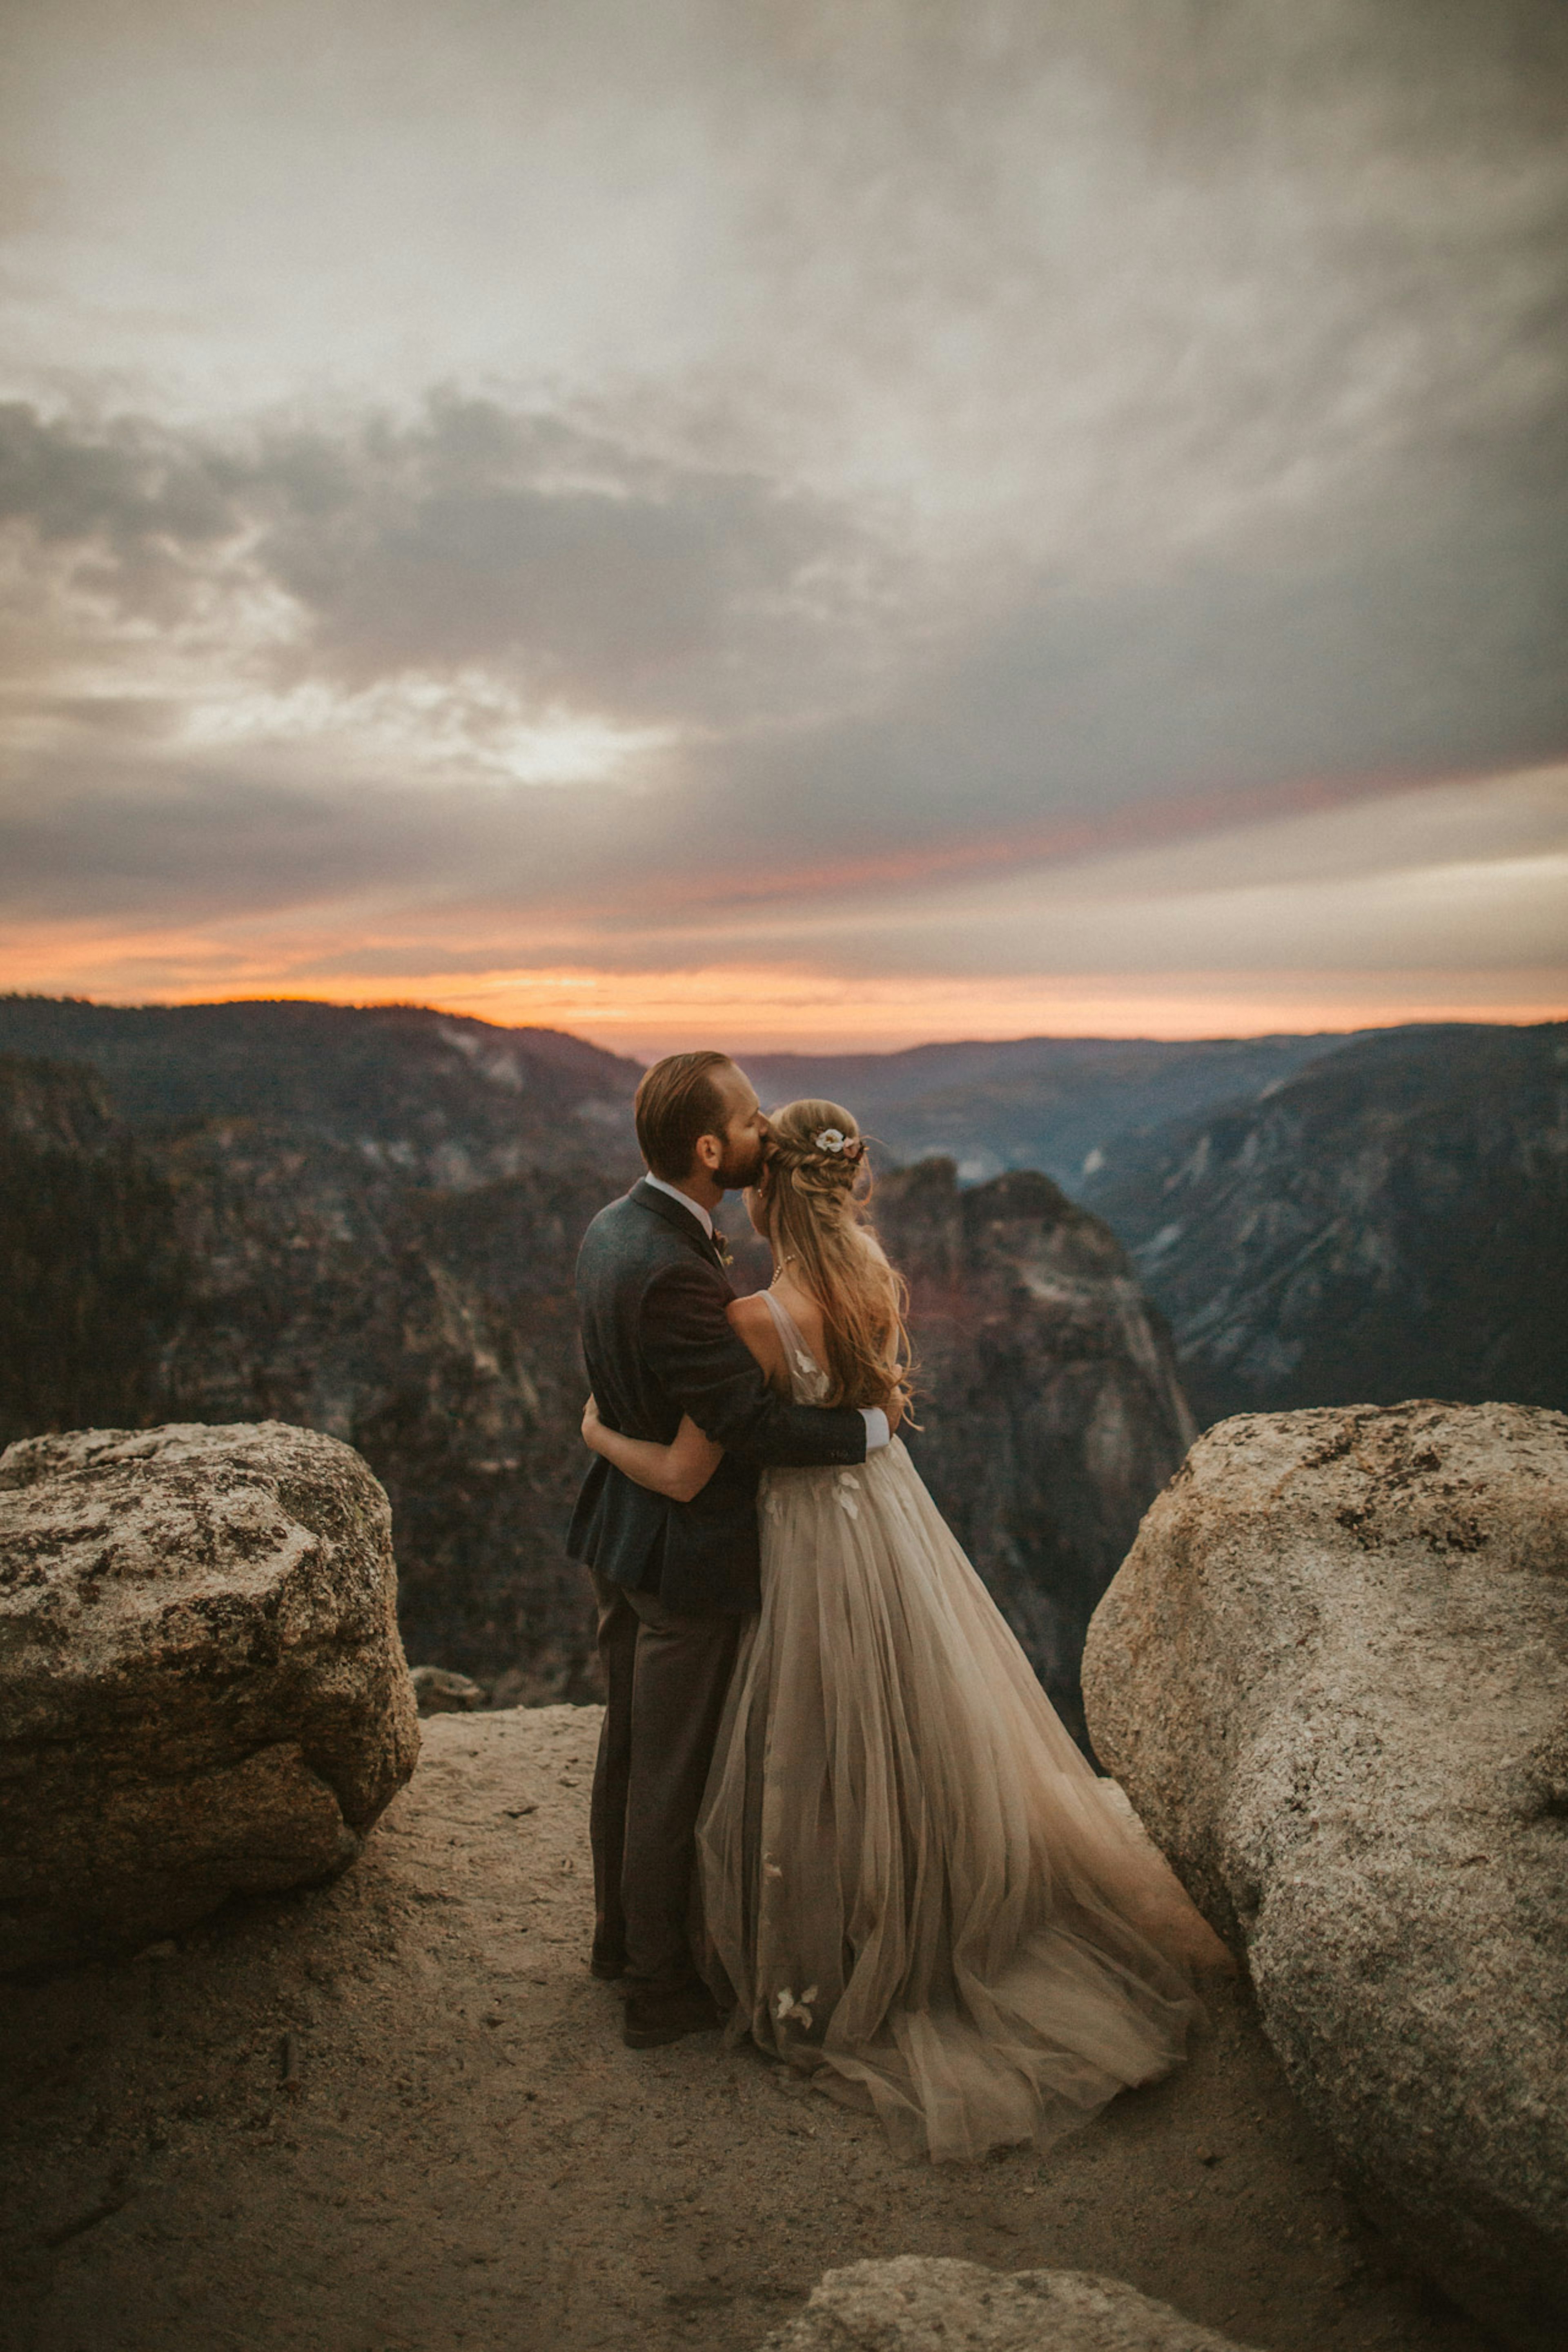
column 396, row 2112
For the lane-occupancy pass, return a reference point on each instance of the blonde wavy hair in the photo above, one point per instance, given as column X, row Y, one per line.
column 815, row 1198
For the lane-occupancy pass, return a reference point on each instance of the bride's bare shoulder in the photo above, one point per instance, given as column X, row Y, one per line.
column 802, row 1309
column 750, row 1318
column 750, row 1314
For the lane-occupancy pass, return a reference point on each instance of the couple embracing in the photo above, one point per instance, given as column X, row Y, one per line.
column 832, row 1801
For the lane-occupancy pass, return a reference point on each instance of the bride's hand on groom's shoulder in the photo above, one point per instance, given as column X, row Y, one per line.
column 590, row 1419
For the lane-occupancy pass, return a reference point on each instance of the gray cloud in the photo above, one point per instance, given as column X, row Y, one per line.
column 472, row 535
column 480, row 536
column 152, row 840
column 1416, row 638
column 129, row 484
column 1088, row 425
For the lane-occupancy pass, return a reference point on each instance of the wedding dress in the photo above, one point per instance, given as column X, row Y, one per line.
column 915, row 1886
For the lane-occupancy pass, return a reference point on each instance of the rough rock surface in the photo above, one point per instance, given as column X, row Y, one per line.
column 1332, row 1676
column 918, row 2305
column 1050, row 1408
column 438, row 1691
column 202, row 1688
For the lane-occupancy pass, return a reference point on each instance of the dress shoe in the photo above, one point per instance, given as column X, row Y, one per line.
column 656, row 2017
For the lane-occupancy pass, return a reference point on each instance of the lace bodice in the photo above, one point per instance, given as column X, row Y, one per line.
column 809, row 1382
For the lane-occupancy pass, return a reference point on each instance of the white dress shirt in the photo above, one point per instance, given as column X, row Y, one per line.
column 878, row 1433
column 702, row 1215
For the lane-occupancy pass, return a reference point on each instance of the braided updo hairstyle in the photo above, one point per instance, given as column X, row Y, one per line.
column 817, row 1200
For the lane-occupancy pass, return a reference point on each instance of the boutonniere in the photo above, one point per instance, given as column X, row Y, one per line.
column 722, row 1250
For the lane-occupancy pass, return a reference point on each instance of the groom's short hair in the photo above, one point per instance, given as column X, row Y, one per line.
column 677, row 1102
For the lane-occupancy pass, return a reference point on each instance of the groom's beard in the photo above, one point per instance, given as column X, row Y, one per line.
column 742, row 1164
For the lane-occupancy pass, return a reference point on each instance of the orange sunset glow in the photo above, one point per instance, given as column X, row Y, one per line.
column 767, row 1010
column 478, row 533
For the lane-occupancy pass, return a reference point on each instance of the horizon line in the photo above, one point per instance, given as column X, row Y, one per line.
column 798, row 1053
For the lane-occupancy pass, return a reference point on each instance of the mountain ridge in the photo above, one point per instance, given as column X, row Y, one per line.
column 1390, row 1221
column 523, row 1095
column 443, row 1096
column 1056, row 1104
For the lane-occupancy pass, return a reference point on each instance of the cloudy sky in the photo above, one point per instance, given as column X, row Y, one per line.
column 796, row 524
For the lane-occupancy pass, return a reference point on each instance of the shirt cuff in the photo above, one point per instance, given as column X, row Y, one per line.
column 877, row 1430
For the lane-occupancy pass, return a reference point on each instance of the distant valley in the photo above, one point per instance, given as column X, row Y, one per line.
column 1056, row 1104
column 457, row 1101
column 1322, row 1220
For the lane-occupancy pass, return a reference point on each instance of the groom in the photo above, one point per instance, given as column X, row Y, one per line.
column 674, row 1581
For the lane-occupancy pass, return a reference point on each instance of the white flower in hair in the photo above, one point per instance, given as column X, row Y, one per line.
column 831, row 1139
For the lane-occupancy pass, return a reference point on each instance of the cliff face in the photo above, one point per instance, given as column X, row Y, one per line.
column 1391, row 1221
column 92, row 1274
column 1052, row 1407
column 242, row 1270
column 434, row 1332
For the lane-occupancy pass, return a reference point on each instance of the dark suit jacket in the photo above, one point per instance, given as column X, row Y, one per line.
column 651, row 1297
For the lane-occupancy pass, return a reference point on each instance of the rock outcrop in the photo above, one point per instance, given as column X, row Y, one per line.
column 1332, row 1676
column 918, row 2303
column 252, row 1269
column 1050, row 1409
column 202, row 1689
column 437, row 1691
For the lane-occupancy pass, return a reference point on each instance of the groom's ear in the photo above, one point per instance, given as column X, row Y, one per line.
column 709, row 1152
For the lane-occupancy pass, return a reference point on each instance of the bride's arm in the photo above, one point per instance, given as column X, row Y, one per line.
column 680, row 1470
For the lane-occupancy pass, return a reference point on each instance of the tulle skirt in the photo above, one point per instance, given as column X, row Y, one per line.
column 915, row 1887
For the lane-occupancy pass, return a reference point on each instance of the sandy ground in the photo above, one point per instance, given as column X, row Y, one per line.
column 396, row 2112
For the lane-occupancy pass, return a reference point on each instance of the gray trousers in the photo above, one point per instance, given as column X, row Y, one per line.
column 667, row 1678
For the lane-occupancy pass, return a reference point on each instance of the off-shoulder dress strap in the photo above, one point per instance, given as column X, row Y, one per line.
column 792, row 1335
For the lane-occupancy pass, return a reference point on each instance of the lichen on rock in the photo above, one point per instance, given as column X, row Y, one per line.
column 202, row 1688
column 927, row 2303
column 1332, row 1676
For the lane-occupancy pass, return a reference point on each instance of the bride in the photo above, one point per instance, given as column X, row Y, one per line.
column 916, row 1889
